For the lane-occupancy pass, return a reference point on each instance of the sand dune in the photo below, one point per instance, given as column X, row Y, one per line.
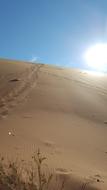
column 61, row 111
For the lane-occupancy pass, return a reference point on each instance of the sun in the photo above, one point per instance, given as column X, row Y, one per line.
column 96, row 57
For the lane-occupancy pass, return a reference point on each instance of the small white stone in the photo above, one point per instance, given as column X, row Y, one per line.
column 10, row 133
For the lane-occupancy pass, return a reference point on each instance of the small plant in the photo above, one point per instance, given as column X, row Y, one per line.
column 10, row 178
column 43, row 180
column 35, row 178
column 16, row 176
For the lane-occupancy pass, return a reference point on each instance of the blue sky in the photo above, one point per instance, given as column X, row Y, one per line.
column 51, row 31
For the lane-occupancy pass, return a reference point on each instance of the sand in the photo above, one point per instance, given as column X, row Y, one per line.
column 61, row 111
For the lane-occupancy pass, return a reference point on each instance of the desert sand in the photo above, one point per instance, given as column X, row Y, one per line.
column 61, row 111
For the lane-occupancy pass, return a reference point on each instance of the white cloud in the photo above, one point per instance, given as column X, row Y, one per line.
column 34, row 59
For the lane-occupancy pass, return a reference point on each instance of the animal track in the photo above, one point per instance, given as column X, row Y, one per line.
column 18, row 92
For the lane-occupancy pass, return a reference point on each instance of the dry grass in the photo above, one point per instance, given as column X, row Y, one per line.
column 19, row 176
column 15, row 176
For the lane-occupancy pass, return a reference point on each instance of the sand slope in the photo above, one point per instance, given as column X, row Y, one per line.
column 61, row 111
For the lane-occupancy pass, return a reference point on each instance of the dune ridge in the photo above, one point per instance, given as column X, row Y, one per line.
column 63, row 112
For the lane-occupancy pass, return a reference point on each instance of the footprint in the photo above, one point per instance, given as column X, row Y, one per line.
column 105, row 122
column 14, row 80
column 27, row 116
column 63, row 171
column 96, row 178
column 49, row 144
column 4, row 112
column 2, row 102
column 97, row 175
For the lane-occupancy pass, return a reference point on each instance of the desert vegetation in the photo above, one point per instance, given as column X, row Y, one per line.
column 18, row 175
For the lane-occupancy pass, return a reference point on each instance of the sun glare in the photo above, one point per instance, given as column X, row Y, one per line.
column 94, row 73
column 96, row 57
